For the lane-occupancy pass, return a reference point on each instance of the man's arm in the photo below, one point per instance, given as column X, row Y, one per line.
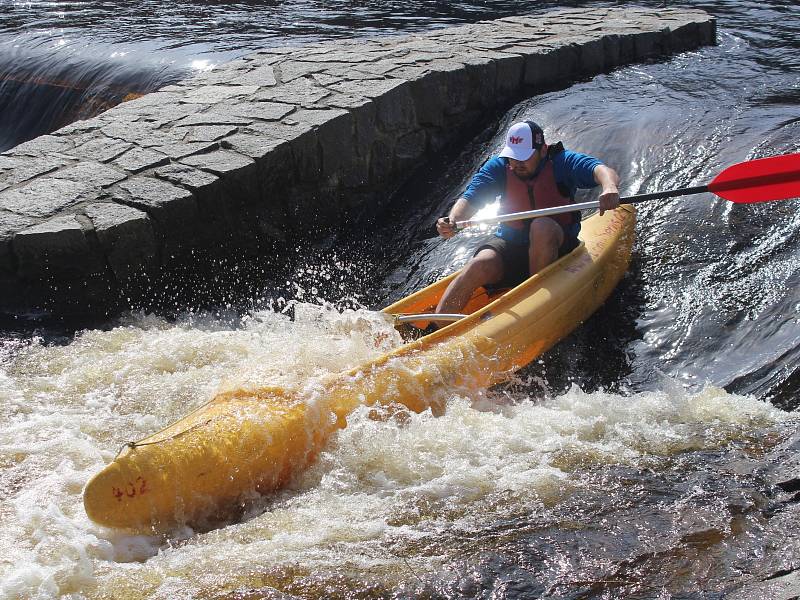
column 461, row 211
column 486, row 183
column 608, row 180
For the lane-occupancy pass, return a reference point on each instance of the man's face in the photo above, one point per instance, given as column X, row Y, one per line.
column 524, row 169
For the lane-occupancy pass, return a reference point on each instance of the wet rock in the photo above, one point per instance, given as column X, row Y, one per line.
column 127, row 237
column 174, row 209
column 284, row 142
column 783, row 586
column 784, row 468
column 57, row 249
column 10, row 224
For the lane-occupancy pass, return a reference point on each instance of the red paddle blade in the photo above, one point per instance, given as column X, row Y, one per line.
column 760, row 180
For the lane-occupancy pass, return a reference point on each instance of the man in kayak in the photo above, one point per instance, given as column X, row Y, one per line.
column 528, row 174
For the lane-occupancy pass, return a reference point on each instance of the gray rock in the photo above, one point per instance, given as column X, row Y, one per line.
column 265, row 111
column 43, row 146
column 185, row 176
column 101, row 149
column 373, row 89
column 56, row 248
column 173, row 208
column 78, row 127
column 510, row 71
column 214, row 118
column 336, row 141
column 10, row 224
column 782, row 587
column 139, row 159
column 90, row 174
column 45, row 196
column 218, row 210
column 209, row 133
column 220, row 162
column 395, row 109
column 541, row 69
column 157, row 99
column 317, row 117
column 591, row 58
column 649, row 44
column 411, row 146
column 291, row 70
column 127, row 238
column 262, row 76
column 178, row 150
column 256, row 147
column 284, row 142
column 138, row 132
column 344, row 101
column 285, row 130
column 17, row 169
column 214, row 94
column 301, row 92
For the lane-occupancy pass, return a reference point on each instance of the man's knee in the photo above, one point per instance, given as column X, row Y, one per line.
column 546, row 231
column 485, row 267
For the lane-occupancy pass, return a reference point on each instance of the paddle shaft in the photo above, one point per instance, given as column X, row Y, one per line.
column 557, row 210
column 758, row 180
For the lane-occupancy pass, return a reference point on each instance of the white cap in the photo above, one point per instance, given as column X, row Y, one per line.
column 522, row 140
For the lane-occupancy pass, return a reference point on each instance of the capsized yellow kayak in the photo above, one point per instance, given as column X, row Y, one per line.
column 248, row 442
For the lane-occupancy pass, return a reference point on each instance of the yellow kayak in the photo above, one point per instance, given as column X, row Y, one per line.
column 246, row 442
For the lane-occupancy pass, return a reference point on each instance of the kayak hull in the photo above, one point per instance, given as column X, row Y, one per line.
column 248, row 442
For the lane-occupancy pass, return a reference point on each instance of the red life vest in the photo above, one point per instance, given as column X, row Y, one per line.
column 540, row 192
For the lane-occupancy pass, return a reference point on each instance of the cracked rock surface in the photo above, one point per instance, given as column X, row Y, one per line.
column 281, row 144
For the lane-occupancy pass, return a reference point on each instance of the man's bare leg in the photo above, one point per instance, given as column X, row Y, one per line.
column 484, row 268
column 546, row 238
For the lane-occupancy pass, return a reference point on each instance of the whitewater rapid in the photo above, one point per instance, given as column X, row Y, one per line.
column 392, row 501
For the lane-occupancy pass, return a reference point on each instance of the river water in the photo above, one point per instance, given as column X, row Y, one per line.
column 626, row 462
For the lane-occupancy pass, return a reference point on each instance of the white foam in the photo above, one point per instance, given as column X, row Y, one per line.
column 379, row 483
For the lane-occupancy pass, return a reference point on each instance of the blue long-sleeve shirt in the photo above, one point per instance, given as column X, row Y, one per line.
column 572, row 170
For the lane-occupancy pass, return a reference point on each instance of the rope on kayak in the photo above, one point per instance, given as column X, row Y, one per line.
column 134, row 445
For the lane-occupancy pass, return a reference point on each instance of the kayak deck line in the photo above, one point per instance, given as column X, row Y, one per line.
column 411, row 317
column 203, row 468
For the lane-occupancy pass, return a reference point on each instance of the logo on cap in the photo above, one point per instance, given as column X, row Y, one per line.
column 515, row 140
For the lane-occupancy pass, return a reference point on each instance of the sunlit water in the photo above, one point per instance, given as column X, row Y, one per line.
column 624, row 463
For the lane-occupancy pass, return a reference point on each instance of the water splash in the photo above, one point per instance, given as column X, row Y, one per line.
column 394, row 490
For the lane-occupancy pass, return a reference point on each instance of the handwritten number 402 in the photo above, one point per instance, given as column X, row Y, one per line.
column 131, row 490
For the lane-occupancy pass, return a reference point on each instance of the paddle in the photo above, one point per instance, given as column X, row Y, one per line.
column 759, row 180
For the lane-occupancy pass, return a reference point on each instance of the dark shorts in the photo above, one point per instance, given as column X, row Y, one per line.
column 515, row 256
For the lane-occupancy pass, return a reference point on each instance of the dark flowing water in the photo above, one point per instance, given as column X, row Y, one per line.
column 627, row 462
